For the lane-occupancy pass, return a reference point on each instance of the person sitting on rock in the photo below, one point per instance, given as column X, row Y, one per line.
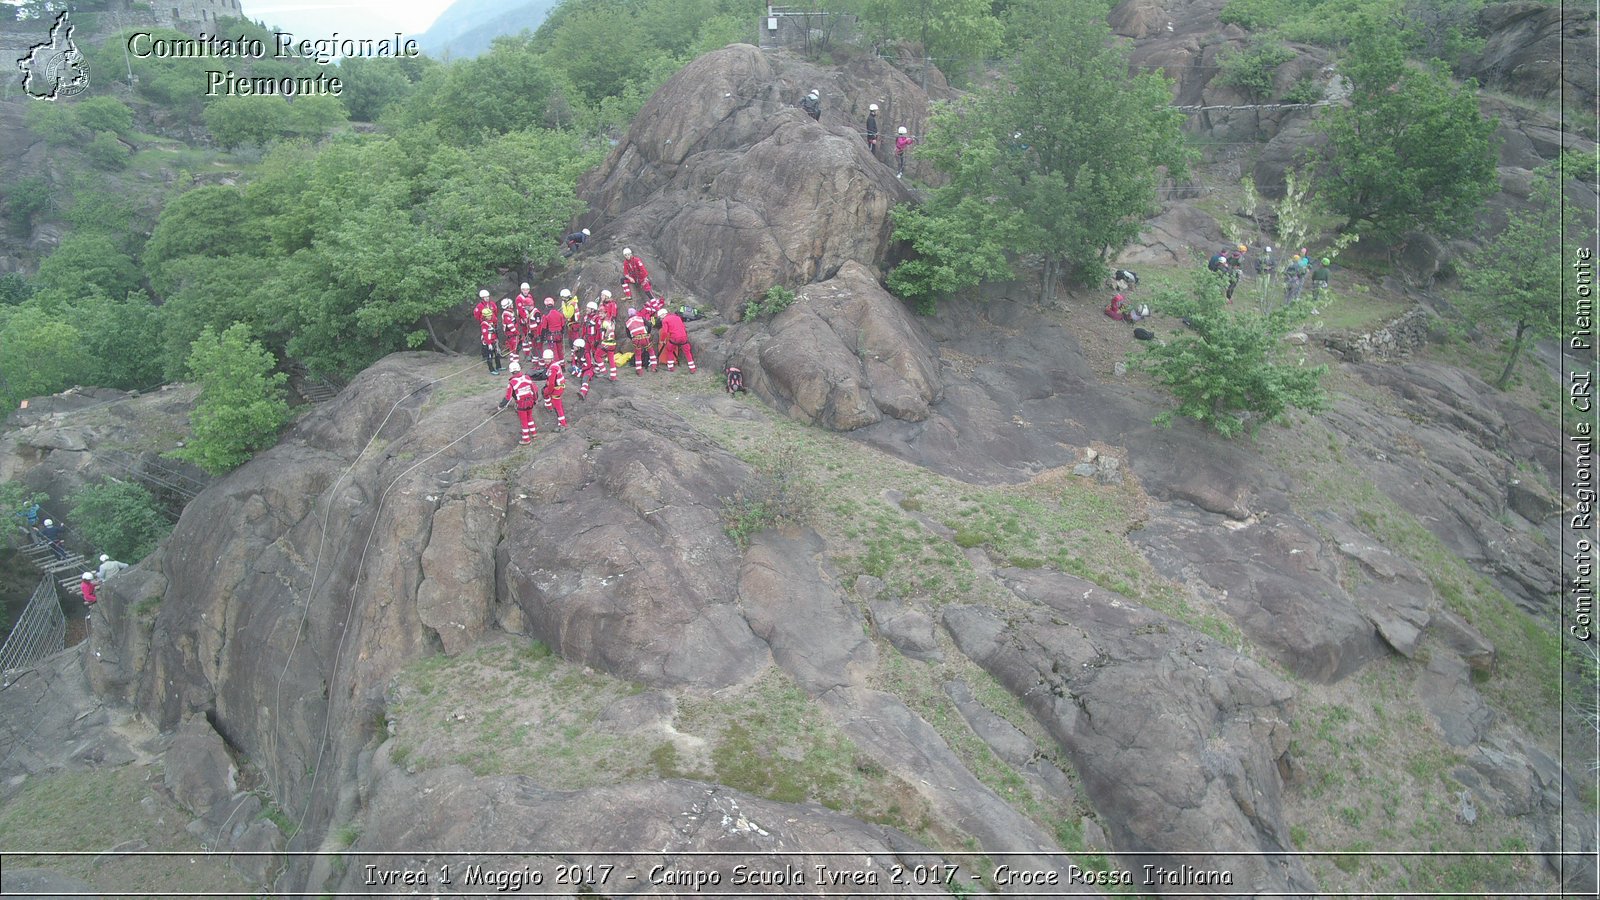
column 1115, row 310
column 812, row 105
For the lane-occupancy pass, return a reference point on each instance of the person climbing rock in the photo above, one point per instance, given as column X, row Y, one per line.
column 902, row 143
column 872, row 129
column 108, row 568
column 55, row 534
column 634, row 274
column 574, row 242
column 812, row 105
column 675, row 340
column 86, row 586
column 520, row 390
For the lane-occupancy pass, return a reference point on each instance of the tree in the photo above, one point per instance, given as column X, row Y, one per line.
column 26, row 198
column 86, row 262
column 241, row 405
column 1067, row 148
column 107, row 152
column 1411, row 151
column 39, row 353
column 1227, row 367
column 1510, row 280
column 946, row 29
column 235, row 121
column 104, row 114
column 119, row 518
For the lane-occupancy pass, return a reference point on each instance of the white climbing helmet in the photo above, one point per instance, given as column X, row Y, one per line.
column 483, row 294
column 605, row 295
column 872, row 107
column 88, row 576
column 586, row 232
column 104, row 558
column 577, row 342
column 505, row 303
column 48, row 523
column 591, row 306
column 548, row 354
column 515, row 366
column 626, row 252
column 901, row 130
column 524, row 287
column 565, row 294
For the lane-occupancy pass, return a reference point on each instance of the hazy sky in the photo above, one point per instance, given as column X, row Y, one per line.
column 352, row 18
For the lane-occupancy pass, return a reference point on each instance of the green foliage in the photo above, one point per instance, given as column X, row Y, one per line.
column 119, row 518
column 15, row 289
column 1412, row 151
column 39, row 353
column 315, row 115
column 57, row 123
column 1067, row 150
column 241, row 405
column 1508, row 280
column 87, row 262
column 1228, row 368
column 1306, row 89
column 1428, row 29
column 25, row 199
column 777, row 299
column 945, row 29
column 780, row 493
column 106, row 152
column 236, row 121
column 959, row 241
column 1252, row 70
column 371, row 86
column 120, row 341
column 103, row 114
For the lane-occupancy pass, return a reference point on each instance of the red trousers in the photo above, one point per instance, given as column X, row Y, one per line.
column 552, row 398
column 528, row 428
column 670, row 351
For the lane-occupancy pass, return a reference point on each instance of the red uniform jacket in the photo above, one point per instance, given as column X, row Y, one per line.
column 520, row 390
column 672, row 329
column 633, row 271
column 553, row 323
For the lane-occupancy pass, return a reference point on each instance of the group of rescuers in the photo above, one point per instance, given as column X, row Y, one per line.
column 561, row 339
column 1228, row 265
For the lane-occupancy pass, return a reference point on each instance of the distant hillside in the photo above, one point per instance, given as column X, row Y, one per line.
column 466, row 28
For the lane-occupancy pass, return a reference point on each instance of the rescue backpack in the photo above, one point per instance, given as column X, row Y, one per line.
column 735, row 380
column 524, row 393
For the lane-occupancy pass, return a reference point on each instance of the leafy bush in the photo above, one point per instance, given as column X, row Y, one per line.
column 1227, row 368
column 777, row 299
column 120, row 518
column 780, row 493
column 107, row 152
column 1307, row 89
column 241, row 403
column 26, row 198
column 1252, row 70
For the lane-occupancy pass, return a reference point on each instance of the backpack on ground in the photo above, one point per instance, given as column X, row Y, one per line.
column 1144, row 334
column 735, row 379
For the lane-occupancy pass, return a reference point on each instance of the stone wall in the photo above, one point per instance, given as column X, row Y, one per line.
column 1394, row 340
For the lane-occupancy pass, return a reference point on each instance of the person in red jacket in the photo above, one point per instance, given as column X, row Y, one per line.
column 634, row 272
column 591, row 330
column 640, row 333
column 555, row 384
column 675, row 340
column 510, row 329
column 520, row 390
column 526, row 305
column 608, row 305
column 87, row 587
column 555, row 328
column 652, row 310
column 488, row 321
column 582, row 366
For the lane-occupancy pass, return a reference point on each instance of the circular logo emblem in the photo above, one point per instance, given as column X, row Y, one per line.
column 68, row 72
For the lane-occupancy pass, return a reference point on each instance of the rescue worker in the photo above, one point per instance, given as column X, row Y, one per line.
column 489, row 335
column 812, row 104
column 1294, row 280
column 872, row 129
column 652, row 311
column 1266, row 265
column 634, row 273
column 87, row 587
column 569, row 311
column 525, row 302
column 510, row 329
column 591, row 330
column 575, row 242
column 520, row 389
column 608, row 346
column 640, row 333
column 1235, row 267
column 555, row 328
column 675, row 340
column 608, row 305
column 582, row 366
column 555, row 385
column 902, row 143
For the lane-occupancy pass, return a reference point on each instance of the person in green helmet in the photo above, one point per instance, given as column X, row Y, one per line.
column 1319, row 280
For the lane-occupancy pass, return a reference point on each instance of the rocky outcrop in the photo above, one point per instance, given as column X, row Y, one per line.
column 845, row 355
column 726, row 188
column 1176, row 739
column 1537, row 50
